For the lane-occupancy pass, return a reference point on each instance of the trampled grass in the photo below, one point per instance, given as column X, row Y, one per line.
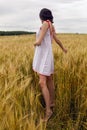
column 20, row 104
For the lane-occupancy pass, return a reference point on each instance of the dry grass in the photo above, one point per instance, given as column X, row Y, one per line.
column 20, row 106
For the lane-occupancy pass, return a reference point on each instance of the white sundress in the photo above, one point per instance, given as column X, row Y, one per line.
column 43, row 62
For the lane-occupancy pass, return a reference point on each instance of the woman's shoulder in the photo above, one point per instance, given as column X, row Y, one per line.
column 45, row 24
column 48, row 26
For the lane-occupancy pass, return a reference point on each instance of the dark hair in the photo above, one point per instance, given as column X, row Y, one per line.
column 46, row 14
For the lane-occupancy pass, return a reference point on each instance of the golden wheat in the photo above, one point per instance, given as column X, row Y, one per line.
column 20, row 104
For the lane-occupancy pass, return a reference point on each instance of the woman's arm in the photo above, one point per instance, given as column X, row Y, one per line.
column 42, row 34
column 58, row 41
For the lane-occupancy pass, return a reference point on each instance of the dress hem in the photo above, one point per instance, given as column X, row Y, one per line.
column 41, row 73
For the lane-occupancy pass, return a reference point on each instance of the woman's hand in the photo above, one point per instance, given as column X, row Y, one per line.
column 36, row 44
column 65, row 50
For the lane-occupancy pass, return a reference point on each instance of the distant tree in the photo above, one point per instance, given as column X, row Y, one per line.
column 8, row 33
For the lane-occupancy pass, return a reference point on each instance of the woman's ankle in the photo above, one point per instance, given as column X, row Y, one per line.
column 48, row 110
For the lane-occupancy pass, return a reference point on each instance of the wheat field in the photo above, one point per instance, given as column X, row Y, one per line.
column 21, row 103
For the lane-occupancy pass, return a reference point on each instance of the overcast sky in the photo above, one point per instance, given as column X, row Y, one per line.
column 69, row 15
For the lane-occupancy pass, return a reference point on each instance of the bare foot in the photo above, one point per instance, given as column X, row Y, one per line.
column 47, row 116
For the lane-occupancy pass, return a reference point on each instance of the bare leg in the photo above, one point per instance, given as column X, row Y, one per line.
column 50, row 85
column 46, row 95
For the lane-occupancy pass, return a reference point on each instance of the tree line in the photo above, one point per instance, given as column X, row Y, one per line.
column 9, row 33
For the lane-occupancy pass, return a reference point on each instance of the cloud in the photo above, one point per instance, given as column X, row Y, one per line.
column 68, row 1
column 71, row 25
column 58, row 1
column 69, row 15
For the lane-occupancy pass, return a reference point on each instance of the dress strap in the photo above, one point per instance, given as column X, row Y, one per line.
column 50, row 27
column 48, row 23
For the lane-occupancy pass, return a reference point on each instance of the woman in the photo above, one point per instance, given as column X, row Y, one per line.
column 43, row 62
